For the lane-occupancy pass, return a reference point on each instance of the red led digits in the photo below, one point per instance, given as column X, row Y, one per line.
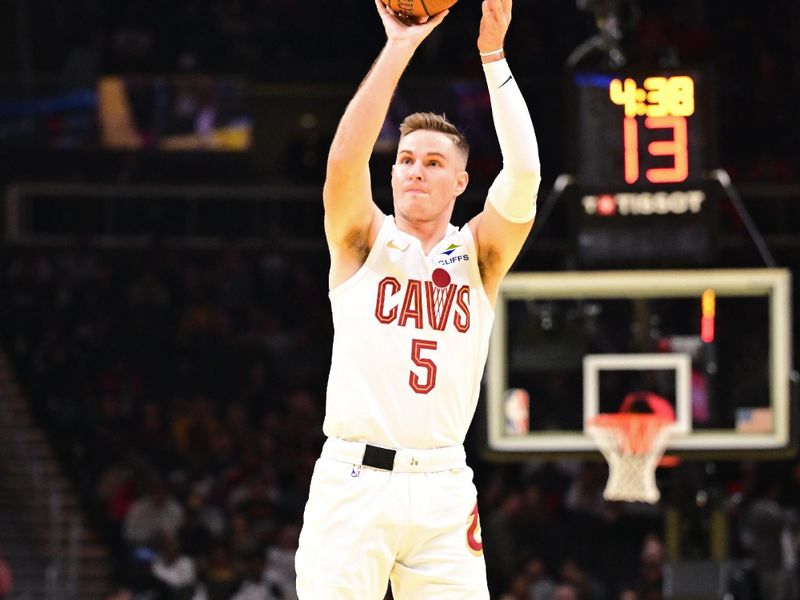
column 665, row 102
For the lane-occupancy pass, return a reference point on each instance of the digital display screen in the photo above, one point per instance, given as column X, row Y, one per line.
column 50, row 117
column 642, row 144
column 635, row 131
column 178, row 113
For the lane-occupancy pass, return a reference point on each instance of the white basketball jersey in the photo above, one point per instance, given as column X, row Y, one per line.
column 411, row 334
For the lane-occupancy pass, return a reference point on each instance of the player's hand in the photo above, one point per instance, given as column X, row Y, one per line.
column 400, row 28
column 495, row 20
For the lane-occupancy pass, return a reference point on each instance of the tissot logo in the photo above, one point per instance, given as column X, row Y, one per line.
column 644, row 203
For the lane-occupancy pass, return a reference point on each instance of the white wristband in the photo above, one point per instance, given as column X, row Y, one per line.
column 493, row 52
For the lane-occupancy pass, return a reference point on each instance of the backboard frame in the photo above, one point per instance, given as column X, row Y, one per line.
column 775, row 284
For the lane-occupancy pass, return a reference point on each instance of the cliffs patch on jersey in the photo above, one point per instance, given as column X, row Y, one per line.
column 423, row 304
column 447, row 256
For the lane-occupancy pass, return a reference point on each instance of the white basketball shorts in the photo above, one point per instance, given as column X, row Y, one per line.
column 364, row 527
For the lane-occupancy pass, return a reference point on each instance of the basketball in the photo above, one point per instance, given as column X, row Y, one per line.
column 419, row 8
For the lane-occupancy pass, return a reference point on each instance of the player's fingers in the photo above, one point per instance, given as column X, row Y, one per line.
column 384, row 12
column 502, row 13
column 497, row 11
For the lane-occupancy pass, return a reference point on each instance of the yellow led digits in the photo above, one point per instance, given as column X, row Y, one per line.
column 658, row 96
column 665, row 102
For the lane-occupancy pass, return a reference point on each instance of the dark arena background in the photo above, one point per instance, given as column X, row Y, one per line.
column 165, row 332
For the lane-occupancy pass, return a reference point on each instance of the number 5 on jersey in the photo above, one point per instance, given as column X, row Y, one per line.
column 427, row 384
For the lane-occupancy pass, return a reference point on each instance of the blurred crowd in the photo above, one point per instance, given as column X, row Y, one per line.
column 184, row 391
column 751, row 51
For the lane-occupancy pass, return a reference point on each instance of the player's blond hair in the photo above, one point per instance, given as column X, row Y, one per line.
column 435, row 122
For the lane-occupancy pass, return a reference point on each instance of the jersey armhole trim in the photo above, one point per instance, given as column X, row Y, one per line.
column 474, row 268
column 383, row 233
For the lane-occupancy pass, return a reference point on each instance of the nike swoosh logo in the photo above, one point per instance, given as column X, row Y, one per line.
column 510, row 77
column 394, row 246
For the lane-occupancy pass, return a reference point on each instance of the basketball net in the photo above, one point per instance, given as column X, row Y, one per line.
column 439, row 295
column 440, row 284
column 632, row 443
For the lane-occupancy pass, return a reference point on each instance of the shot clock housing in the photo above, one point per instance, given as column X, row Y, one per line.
column 642, row 143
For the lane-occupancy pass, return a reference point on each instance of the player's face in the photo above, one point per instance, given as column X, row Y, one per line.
column 427, row 176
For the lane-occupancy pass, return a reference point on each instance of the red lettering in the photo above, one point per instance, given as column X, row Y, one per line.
column 438, row 303
column 474, row 540
column 417, row 346
column 445, row 298
column 412, row 304
column 461, row 321
column 386, row 282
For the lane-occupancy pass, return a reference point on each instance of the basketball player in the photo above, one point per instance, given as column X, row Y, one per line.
column 412, row 298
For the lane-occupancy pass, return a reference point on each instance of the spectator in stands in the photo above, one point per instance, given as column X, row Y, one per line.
column 239, row 425
column 539, row 530
column 174, row 573
column 769, row 532
column 115, row 488
column 254, row 587
column 649, row 579
column 586, row 512
column 566, row 591
column 220, row 577
column 194, row 534
column 155, row 514
column 540, row 585
column 151, row 435
column 586, row 586
column 244, row 539
column 120, row 593
column 518, row 588
column 585, row 494
column 280, row 571
column 194, row 429
column 500, row 537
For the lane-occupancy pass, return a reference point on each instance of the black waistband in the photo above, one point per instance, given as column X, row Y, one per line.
column 378, row 458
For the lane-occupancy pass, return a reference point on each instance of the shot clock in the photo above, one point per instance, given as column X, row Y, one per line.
column 666, row 103
column 641, row 144
column 641, row 129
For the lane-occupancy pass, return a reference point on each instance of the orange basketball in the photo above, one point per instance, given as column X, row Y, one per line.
column 419, row 8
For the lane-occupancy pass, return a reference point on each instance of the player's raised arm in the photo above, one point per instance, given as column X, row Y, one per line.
column 349, row 209
column 505, row 222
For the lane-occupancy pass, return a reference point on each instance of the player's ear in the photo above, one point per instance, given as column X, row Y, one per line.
column 462, row 179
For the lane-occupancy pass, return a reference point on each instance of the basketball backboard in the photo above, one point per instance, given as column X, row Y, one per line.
column 716, row 344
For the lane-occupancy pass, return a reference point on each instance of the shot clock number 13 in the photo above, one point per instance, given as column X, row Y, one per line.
column 665, row 103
